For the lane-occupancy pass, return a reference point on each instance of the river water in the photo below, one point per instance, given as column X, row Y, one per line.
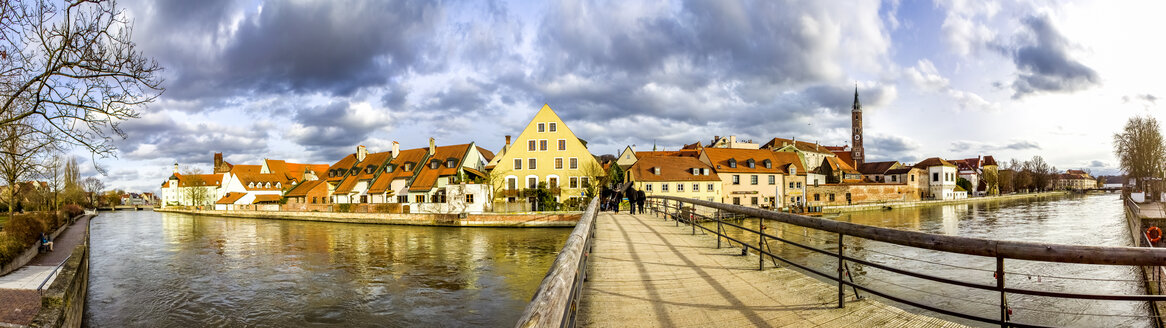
column 1076, row 219
column 175, row 270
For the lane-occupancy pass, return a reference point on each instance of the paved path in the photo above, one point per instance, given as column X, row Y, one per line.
column 645, row 272
column 18, row 289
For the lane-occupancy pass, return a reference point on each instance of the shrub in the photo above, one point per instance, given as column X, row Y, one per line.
column 344, row 208
column 388, row 208
column 9, row 249
column 73, row 210
column 26, row 228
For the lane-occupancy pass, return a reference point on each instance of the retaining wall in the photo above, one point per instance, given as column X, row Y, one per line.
column 30, row 253
column 63, row 302
column 567, row 219
column 880, row 206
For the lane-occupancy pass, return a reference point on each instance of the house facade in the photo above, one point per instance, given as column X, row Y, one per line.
column 190, row 189
column 941, row 178
column 546, row 154
column 749, row 177
column 686, row 177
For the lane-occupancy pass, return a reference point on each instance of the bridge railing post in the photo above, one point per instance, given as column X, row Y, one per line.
column 718, row 216
column 760, row 240
column 1000, row 287
column 841, row 291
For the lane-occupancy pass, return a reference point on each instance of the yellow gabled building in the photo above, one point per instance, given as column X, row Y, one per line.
column 546, row 152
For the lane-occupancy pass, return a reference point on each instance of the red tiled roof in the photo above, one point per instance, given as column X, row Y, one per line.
column 486, row 154
column 671, row 169
column 258, row 181
column 302, row 189
column 344, row 164
column 876, row 167
column 776, row 143
column 784, row 160
column 246, row 169
column 837, row 164
column 988, row 160
column 720, row 159
column 427, row 178
column 385, row 180
column 231, row 198
column 669, row 153
column 934, row 161
column 265, row 199
column 845, row 157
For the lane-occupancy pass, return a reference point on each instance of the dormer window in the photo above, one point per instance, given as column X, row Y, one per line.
column 389, row 168
column 768, row 164
column 250, row 185
column 408, row 166
column 695, row 171
column 656, row 170
column 370, row 169
column 749, row 162
column 793, row 170
column 450, row 163
column 733, row 163
column 268, row 185
column 278, row 185
column 705, row 171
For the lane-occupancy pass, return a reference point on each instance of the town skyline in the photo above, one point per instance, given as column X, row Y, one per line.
column 950, row 80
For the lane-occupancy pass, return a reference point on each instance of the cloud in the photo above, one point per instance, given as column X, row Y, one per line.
column 334, row 129
column 882, row 147
column 157, row 136
column 1098, row 164
column 1147, row 100
column 925, row 76
column 963, row 146
column 1043, row 61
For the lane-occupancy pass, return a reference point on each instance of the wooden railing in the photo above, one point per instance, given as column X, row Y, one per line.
column 556, row 301
column 683, row 211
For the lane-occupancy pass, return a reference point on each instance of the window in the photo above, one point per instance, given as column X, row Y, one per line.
column 736, row 200
column 894, row 178
column 402, row 199
column 370, row 169
column 772, row 179
column 935, row 176
column 434, row 164
column 584, row 182
column 278, row 185
column 733, row 162
column 562, row 144
column 749, row 163
column 679, row 187
column 408, row 167
column 554, row 126
column 389, row 168
column 753, row 201
column 696, row 187
column 574, row 182
column 648, row 187
column 542, row 145
column 768, row 164
column 815, row 182
column 799, row 185
column 542, row 127
column 419, row 199
column 517, row 163
column 511, row 183
column 450, row 163
column 710, row 187
column 663, row 187
column 315, row 199
column 574, row 163
column 558, row 163
column 532, row 182
column 791, row 185
column 451, row 180
column 831, row 197
column 552, row 182
column 753, row 179
column 364, row 198
column 912, row 178
column 531, row 145
column 470, row 198
column 531, row 164
column 736, row 179
column 817, row 198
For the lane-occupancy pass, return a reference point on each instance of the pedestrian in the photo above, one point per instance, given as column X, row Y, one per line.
column 615, row 202
column 640, row 199
column 632, row 201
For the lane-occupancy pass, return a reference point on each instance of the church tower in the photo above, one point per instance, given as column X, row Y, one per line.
column 856, row 127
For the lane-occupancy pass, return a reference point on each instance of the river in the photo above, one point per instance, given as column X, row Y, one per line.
column 176, row 270
column 1096, row 220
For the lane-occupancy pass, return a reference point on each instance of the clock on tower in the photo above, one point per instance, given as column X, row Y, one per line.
column 856, row 125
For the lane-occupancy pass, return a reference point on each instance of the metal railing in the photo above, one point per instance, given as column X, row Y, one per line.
column 683, row 210
column 556, row 302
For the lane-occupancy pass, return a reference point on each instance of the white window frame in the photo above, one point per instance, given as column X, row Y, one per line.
column 559, row 163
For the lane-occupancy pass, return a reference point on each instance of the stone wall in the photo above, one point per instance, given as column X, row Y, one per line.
column 860, row 193
column 567, row 219
column 63, row 302
column 881, row 206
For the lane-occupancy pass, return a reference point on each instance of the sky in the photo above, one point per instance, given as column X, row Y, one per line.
column 308, row 81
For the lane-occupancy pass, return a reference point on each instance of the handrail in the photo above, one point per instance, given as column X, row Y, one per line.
column 51, row 273
column 1019, row 250
column 1001, row 250
column 555, row 303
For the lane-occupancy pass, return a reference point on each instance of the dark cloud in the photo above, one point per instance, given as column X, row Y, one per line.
column 159, row 137
column 1042, row 58
column 1021, row 145
column 965, row 146
column 891, row 148
column 334, row 129
column 1097, row 164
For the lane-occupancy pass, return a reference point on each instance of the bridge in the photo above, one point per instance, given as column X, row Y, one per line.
column 683, row 265
column 126, row 208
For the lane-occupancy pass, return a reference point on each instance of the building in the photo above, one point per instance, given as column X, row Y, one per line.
column 750, row 177
column 1075, row 180
column 794, row 175
column 941, row 179
column 914, row 177
column 191, row 189
column 680, row 176
column 308, row 196
column 856, row 152
column 877, row 171
column 731, row 142
column 260, row 187
column 837, row 170
column 810, row 154
column 546, row 154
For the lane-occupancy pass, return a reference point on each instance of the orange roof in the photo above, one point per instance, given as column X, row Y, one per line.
column 166, row 184
column 265, row 199
column 669, row 153
column 257, row 181
column 845, row 157
column 876, row 167
column 486, row 154
column 427, row 178
column 304, row 188
column 671, row 169
column 385, row 180
column 344, row 164
column 934, row 161
column 785, row 160
column 246, row 169
column 231, row 198
column 776, row 143
column 720, row 158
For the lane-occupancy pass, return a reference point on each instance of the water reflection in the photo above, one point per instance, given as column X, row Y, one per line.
column 171, row 270
column 1080, row 220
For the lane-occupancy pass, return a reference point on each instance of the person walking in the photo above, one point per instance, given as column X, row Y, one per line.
column 640, row 199
column 632, row 201
column 615, row 202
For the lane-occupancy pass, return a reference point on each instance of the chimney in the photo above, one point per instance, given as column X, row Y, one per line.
column 508, row 140
column 361, row 153
column 218, row 163
column 432, row 147
column 732, row 140
column 396, row 149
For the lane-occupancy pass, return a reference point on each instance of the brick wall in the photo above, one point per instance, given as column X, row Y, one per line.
column 862, row 193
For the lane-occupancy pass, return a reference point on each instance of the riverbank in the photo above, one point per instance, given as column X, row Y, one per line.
column 893, row 205
column 521, row 220
column 50, row 290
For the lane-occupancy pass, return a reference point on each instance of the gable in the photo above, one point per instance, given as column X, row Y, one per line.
column 520, row 148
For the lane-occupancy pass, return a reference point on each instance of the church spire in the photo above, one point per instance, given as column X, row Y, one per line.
column 857, row 105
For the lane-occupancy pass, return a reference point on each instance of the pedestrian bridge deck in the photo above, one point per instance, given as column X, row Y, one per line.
column 646, row 272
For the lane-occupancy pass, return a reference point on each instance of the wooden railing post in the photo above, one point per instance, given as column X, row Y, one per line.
column 760, row 239
column 841, row 296
column 1000, row 286
column 718, row 216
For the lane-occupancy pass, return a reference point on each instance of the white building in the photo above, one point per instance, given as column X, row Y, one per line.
column 190, row 189
column 941, row 177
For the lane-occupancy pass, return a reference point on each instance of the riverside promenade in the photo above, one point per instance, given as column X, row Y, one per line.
column 19, row 292
column 647, row 272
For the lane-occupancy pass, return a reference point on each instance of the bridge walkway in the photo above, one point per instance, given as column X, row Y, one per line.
column 646, row 272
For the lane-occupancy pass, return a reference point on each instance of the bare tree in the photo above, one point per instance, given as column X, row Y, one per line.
column 1140, row 149
column 71, row 71
column 193, row 187
column 93, row 187
column 496, row 179
column 20, row 156
column 53, row 175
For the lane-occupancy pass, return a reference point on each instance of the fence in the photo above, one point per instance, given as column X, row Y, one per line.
column 556, row 301
column 683, row 210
